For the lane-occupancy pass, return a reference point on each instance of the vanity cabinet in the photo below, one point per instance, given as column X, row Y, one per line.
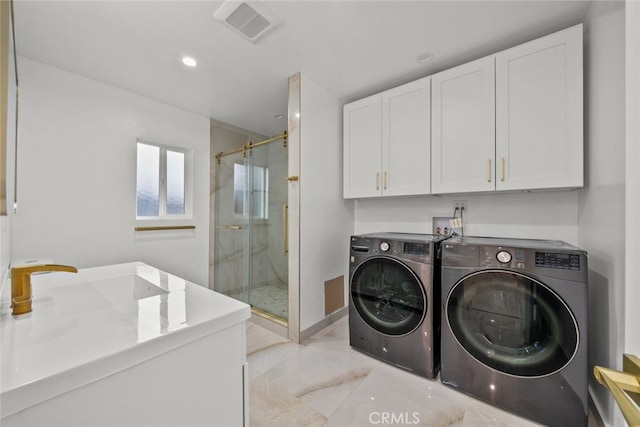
column 123, row 345
column 387, row 143
column 511, row 121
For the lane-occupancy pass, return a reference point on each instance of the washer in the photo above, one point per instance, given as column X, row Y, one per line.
column 394, row 305
column 514, row 326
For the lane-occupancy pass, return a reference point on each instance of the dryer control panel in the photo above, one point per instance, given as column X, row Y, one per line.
column 560, row 261
column 502, row 257
column 547, row 258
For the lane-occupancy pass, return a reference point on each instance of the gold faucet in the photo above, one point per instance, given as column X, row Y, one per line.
column 21, row 285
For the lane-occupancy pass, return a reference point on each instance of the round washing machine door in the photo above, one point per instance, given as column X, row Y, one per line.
column 388, row 296
column 512, row 323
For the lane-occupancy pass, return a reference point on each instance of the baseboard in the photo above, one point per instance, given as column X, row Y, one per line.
column 594, row 412
column 327, row 321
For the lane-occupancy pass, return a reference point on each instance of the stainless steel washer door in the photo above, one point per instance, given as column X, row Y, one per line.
column 388, row 296
column 512, row 323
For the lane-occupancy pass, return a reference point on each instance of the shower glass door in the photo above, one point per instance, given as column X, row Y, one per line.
column 231, row 234
column 251, row 262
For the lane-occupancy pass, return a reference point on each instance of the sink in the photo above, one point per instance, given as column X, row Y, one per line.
column 100, row 293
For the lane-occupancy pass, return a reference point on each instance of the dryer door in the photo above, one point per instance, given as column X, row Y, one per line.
column 512, row 323
column 388, row 296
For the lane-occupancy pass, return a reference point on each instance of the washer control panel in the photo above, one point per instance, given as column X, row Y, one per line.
column 504, row 257
column 412, row 249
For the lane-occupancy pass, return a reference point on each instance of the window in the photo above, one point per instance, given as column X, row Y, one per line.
column 255, row 187
column 162, row 184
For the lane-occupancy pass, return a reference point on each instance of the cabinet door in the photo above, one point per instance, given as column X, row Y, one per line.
column 463, row 128
column 406, row 137
column 539, row 141
column 362, row 148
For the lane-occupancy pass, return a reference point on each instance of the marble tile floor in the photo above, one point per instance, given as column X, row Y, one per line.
column 324, row 382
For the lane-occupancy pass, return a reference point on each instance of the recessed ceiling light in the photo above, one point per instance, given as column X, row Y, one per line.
column 425, row 57
column 189, row 61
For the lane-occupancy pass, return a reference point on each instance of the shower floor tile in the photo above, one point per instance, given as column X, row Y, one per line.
column 272, row 298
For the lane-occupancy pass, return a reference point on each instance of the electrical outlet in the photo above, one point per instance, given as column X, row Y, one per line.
column 461, row 204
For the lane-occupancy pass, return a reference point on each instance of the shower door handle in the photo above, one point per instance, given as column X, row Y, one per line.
column 230, row 227
column 285, row 228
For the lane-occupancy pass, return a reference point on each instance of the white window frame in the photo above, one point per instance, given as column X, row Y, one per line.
column 263, row 215
column 188, row 183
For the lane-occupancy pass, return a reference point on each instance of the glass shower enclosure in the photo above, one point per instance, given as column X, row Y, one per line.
column 250, row 248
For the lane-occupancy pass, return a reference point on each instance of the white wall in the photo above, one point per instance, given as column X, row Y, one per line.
column 326, row 219
column 632, row 292
column 602, row 201
column 538, row 215
column 77, row 174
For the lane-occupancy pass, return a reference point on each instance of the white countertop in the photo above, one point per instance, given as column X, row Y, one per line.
column 77, row 333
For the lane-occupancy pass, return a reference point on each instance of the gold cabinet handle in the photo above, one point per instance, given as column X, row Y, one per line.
column 488, row 170
column 292, row 178
column 502, row 169
column 377, row 181
column 385, row 180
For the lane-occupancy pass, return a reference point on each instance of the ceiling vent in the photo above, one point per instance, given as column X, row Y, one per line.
column 250, row 19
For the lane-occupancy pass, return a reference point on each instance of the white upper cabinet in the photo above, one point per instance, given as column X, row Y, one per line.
column 362, row 147
column 463, row 128
column 406, row 134
column 387, row 143
column 539, row 139
column 509, row 121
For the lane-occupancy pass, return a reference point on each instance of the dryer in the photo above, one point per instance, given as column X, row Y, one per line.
column 394, row 304
column 514, row 326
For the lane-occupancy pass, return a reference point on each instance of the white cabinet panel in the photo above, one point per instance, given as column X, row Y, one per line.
column 539, row 140
column 362, row 147
column 198, row 384
column 463, row 128
column 387, row 143
column 406, row 154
